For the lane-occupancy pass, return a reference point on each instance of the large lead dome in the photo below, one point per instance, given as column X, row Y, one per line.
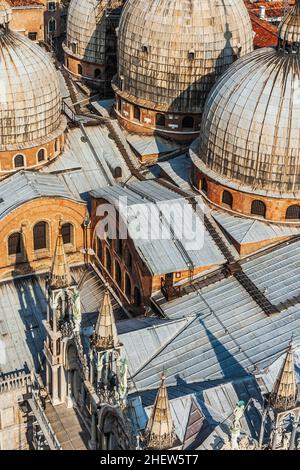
column 249, row 144
column 170, row 52
column 251, row 124
column 30, row 100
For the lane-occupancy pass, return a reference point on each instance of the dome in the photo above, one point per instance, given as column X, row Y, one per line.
column 86, row 37
column 171, row 52
column 30, row 109
column 250, row 135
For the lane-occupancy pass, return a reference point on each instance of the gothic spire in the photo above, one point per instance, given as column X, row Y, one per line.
column 284, row 393
column 60, row 276
column 160, row 433
column 105, row 336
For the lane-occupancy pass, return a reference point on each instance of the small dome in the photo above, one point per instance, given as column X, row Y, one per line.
column 86, row 28
column 171, row 52
column 30, row 101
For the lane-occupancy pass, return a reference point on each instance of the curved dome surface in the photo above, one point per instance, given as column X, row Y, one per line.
column 86, row 28
column 30, row 100
column 250, row 132
column 170, row 52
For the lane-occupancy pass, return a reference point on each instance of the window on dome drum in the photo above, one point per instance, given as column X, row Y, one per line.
column 41, row 155
column 128, row 259
column 136, row 113
column 97, row 74
column 108, row 260
column 79, row 69
column 160, row 120
column 137, row 297
column 15, row 244
column 19, row 161
column 127, row 286
column 52, row 25
column 145, row 48
column 188, row 122
column 258, row 208
column 293, row 213
column 32, row 36
column 118, row 274
column 67, row 232
column 227, row 199
column 40, row 236
column 204, row 185
column 56, row 145
column 191, row 54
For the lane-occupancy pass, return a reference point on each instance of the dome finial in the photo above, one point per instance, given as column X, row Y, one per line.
column 289, row 30
column 5, row 14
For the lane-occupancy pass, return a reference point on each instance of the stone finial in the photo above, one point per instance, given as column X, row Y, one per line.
column 284, row 394
column 5, row 13
column 160, row 432
column 60, row 276
column 105, row 336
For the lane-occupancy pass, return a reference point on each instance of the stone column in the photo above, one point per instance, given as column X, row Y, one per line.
column 93, row 440
column 292, row 445
column 69, row 398
column 55, row 391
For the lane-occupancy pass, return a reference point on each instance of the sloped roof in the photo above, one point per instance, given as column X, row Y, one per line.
column 162, row 254
column 26, row 186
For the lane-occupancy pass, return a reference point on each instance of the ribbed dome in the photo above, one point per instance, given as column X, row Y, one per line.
column 289, row 30
column 251, row 124
column 86, row 28
column 171, row 51
column 30, row 101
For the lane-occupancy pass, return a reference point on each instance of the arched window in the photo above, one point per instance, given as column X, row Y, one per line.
column 19, row 161
column 79, row 69
column 67, row 233
column 204, row 185
column 118, row 172
column 258, row 208
column 118, row 274
column 119, row 246
column 52, row 25
column 137, row 297
column 127, row 286
column 188, row 122
column 136, row 113
column 293, row 213
column 160, row 120
column 40, row 236
column 15, row 244
column 97, row 74
column 41, row 155
column 128, row 259
column 227, row 199
column 56, row 145
column 108, row 260
column 99, row 249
